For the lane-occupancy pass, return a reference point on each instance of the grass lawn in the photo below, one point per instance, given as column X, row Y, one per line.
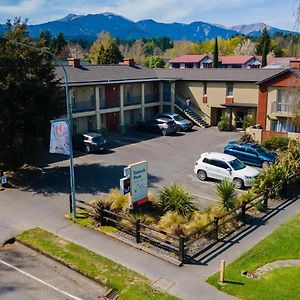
column 129, row 284
column 281, row 283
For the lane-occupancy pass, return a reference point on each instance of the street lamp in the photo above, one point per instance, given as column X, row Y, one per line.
column 69, row 116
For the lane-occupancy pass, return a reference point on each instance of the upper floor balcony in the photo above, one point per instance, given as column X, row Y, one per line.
column 79, row 105
column 132, row 100
column 150, row 98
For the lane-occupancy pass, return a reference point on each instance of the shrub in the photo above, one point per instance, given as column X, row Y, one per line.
column 226, row 193
column 176, row 198
column 173, row 223
column 273, row 181
column 198, row 220
column 224, row 124
column 248, row 121
column 245, row 197
column 247, row 137
column 276, row 143
column 118, row 201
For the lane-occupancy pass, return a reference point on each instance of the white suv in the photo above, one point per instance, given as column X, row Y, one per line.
column 223, row 166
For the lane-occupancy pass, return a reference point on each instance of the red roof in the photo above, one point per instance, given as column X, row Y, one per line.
column 188, row 59
column 273, row 60
column 235, row 59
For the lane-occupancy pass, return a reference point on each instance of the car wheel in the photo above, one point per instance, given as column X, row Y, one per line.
column 202, row 175
column 87, row 149
column 265, row 164
column 164, row 132
column 238, row 183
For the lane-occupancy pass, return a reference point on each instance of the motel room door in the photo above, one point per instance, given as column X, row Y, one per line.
column 112, row 121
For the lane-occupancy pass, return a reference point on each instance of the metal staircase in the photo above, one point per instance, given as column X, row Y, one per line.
column 190, row 112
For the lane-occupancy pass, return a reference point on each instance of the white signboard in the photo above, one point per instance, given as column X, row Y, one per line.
column 59, row 138
column 138, row 182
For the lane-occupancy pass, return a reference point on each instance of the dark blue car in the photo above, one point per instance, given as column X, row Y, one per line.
column 251, row 154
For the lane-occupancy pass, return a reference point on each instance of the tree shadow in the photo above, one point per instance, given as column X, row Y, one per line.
column 89, row 179
column 234, row 282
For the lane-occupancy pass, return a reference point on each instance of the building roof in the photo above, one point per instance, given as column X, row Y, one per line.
column 188, row 59
column 221, row 74
column 105, row 74
column 235, row 59
column 278, row 74
column 109, row 74
column 239, row 104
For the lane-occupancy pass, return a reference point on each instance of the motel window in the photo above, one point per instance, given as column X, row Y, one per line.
column 229, row 89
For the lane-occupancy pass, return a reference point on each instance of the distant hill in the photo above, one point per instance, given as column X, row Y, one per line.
column 88, row 26
column 257, row 28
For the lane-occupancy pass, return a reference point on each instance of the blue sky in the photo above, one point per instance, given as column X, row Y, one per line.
column 277, row 13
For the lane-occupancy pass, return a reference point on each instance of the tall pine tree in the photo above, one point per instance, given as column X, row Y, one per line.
column 29, row 97
column 216, row 54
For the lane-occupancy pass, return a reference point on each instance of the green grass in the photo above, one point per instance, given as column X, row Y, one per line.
column 129, row 284
column 281, row 283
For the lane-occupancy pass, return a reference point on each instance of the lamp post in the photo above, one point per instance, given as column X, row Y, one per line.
column 69, row 116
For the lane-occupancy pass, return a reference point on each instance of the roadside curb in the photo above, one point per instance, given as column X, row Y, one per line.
column 62, row 263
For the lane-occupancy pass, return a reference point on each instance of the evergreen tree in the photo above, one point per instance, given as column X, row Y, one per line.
column 264, row 41
column 58, row 43
column 216, row 54
column 29, row 97
column 264, row 56
column 45, row 38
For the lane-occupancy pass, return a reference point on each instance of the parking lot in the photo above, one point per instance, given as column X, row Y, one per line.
column 171, row 159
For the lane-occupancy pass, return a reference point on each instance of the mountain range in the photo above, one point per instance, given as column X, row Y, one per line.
column 88, row 26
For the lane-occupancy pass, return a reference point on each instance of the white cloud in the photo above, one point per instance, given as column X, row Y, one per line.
column 22, row 8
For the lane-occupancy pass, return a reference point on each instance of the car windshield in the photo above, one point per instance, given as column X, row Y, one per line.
column 236, row 164
column 262, row 150
column 98, row 139
column 178, row 118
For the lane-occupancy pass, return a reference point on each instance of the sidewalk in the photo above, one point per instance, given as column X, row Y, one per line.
column 188, row 282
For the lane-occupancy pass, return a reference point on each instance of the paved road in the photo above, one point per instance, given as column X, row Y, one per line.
column 26, row 274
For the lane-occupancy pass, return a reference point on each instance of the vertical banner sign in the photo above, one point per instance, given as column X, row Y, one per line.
column 59, row 138
column 138, row 182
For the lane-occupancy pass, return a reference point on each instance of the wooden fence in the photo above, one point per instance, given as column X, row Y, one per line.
column 200, row 239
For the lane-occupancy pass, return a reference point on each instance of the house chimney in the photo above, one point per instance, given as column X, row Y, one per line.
column 74, row 62
column 295, row 63
column 128, row 62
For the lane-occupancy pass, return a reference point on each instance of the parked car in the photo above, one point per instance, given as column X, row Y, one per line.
column 223, row 166
column 89, row 142
column 252, row 154
column 184, row 124
column 159, row 125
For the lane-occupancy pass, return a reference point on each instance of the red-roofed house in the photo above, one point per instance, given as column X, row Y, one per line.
column 239, row 61
column 191, row 62
column 205, row 61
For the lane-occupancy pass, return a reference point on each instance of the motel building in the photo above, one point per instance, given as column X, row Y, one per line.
column 110, row 97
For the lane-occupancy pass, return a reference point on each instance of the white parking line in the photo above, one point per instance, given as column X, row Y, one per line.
column 41, row 281
column 202, row 196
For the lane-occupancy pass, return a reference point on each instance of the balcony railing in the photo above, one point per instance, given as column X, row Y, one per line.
column 82, row 106
column 151, row 98
column 133, row 100
column 283, row 107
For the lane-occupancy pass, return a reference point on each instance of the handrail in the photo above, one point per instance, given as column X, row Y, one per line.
column 193, row 107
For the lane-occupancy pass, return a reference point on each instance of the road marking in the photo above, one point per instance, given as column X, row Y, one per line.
column 39, row 280
column 202, row 196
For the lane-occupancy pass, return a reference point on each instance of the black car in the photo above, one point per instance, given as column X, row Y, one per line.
column 89, row 142
column 159, row 125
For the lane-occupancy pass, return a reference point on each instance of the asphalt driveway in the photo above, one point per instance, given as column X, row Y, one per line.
column 171, row 159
